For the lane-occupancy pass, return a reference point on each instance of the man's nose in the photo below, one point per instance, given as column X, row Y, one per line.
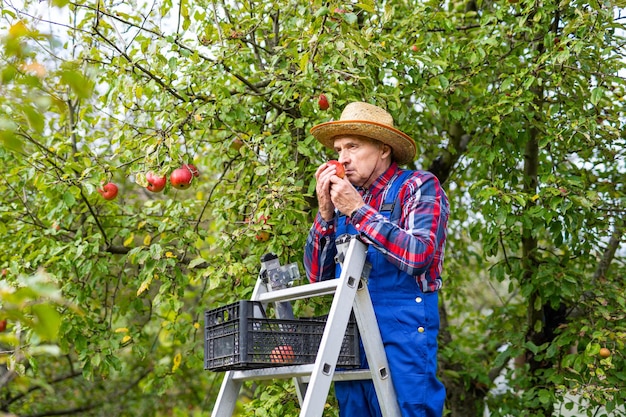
column 343, row 157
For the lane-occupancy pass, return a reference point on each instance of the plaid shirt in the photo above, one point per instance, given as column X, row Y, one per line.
column 415, row 245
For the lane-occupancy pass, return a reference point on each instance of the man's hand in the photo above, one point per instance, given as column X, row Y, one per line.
column 323, row 175
column 333, row 191
column 344, row 196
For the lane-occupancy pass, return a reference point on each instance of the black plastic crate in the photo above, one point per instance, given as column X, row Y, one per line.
column 241, row 336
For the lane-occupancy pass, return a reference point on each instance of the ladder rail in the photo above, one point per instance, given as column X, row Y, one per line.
column 227, row 397
column 229, row 391
column 375, row 352
column 332, row 338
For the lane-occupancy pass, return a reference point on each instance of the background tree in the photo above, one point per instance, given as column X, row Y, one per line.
column 516, row 106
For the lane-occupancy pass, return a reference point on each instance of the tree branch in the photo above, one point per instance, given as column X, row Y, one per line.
column 140, row 67
column 445, row 162
column 610, row 250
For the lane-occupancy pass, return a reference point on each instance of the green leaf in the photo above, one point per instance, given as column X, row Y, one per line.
column 596, row 95
column 304, row 60
column 10, row 140
column 47, row 321
column 322, row 11
column 69, row 199
column 367, row 6
column 196, row 262
column 443, row 81
column 79, row 84
column 350, row 18
column 545, row 397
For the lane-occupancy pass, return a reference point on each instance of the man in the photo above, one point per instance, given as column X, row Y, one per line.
column 402, row 215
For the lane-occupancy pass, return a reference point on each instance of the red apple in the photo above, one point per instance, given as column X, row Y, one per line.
column 323, row 102
column 192, row 168
column 108, row 191
column 341, row 171
column 236, row 144
column 263, row 236
column 414, row 48
column 181, row 178
column 558, row 44
column 3, row 325
column 282, row 354
column 156, row 184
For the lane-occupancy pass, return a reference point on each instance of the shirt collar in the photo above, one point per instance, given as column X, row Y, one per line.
column 381, row 182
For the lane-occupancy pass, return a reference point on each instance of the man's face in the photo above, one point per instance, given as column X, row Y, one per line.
column 362, row 158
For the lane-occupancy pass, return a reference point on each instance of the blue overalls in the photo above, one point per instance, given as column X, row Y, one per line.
column 408, row 320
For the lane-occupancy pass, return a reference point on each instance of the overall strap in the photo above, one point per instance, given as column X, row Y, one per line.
column 391, row 208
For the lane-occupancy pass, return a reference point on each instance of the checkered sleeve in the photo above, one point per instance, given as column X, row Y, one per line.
column 320, row 250
column 416, row 244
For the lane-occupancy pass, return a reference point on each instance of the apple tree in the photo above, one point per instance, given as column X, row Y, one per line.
column 516, row 105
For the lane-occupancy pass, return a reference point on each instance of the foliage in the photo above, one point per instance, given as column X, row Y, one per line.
column 516, row 105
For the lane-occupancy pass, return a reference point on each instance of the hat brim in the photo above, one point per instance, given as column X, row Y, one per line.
column 403, row 146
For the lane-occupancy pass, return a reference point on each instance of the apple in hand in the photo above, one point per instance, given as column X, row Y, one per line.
column 323, row 102
column 156, row 184
column 341, row 171
column 108, row 191
column 181, row 178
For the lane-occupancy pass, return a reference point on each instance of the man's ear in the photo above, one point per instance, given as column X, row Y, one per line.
column 385, row 151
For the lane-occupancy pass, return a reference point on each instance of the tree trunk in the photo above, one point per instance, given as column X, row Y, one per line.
column 539, row 319
column 461, row 401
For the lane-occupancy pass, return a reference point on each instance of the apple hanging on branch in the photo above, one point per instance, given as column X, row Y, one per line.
column 108, row 191
column 263, row 235
column 236, row 144
column 156, row 183
column 322, row 102
column 181, row 177
column 192, row 168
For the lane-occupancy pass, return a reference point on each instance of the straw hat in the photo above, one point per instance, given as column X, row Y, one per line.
column 365, row 119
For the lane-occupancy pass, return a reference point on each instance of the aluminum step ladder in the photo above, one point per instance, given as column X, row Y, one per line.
column 313, row 381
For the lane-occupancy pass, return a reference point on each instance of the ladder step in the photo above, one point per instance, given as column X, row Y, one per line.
column 297, row 371
column 300, row 291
